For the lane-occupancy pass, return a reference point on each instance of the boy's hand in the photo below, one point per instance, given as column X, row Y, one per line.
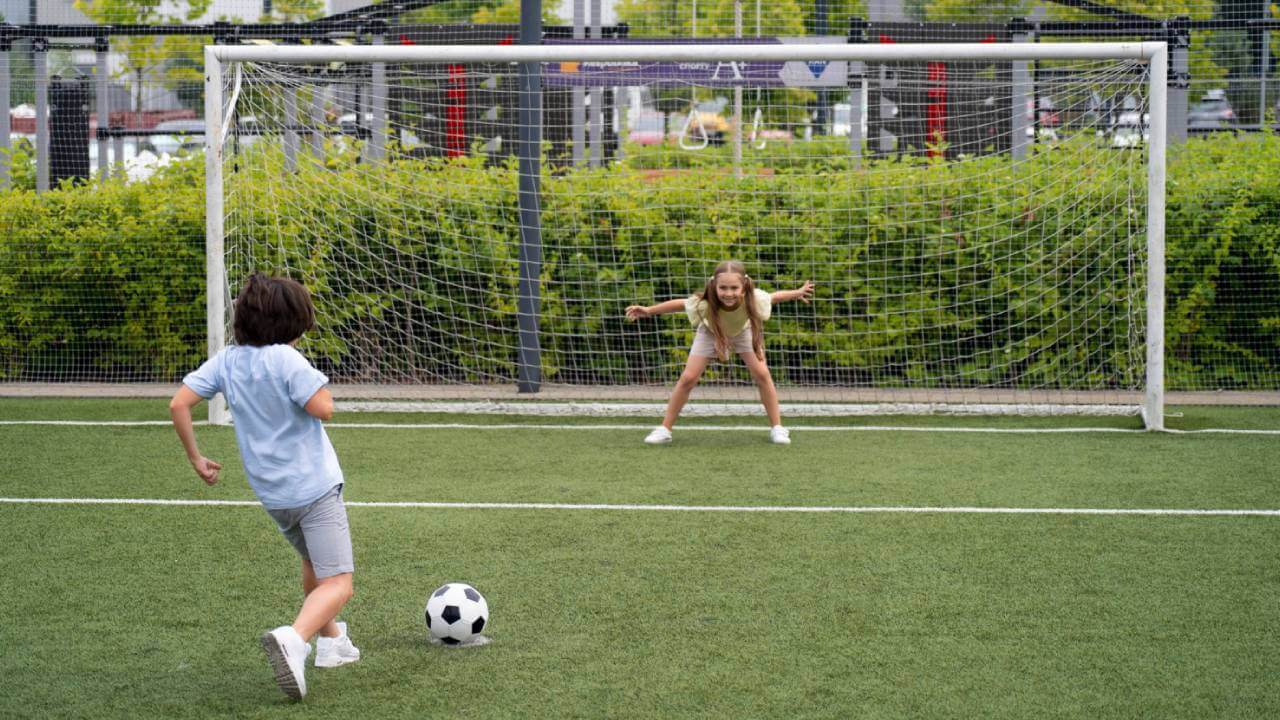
column 806, row 291
column 635, row 312
column 206, row 469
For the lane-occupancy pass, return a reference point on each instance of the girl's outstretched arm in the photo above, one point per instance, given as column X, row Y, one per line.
column 635, row 312
column 804, row 293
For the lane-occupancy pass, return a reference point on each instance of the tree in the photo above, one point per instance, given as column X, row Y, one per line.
column 508, row 12
column 1201, row 57
column 145, row 54
column 483, row 12
column 294, row 10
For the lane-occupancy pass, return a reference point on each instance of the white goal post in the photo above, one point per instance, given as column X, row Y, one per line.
column 222, row 89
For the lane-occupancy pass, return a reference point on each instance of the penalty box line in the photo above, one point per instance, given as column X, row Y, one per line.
column 869, row 509
column 683, row 428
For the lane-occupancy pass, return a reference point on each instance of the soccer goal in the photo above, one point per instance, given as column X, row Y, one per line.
column 983, row 223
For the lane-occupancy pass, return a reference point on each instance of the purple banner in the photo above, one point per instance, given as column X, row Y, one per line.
column 702, row 74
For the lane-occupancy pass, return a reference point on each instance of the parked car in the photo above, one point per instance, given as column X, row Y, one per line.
column 1131, row 130
column 173, row 137
column 1213, row 112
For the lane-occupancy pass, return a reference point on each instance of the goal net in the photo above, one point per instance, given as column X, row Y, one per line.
column 474, row 221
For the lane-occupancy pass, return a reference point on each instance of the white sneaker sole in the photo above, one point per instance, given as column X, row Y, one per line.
column 658, row 441
column 280, row 666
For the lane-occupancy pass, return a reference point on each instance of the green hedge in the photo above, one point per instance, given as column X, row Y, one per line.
column 623, row 235
column 103, row 283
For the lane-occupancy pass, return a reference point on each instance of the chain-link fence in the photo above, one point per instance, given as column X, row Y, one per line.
column 105, row 283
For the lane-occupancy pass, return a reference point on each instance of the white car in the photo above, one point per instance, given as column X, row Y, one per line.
column 172, row 137
column 1130, row 130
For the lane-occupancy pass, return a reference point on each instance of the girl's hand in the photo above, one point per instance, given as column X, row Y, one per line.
column 206, row 469
column 635, row 312
column 805, row 292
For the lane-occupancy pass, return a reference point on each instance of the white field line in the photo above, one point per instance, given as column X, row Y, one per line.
column 683, row 428
column 673, row 508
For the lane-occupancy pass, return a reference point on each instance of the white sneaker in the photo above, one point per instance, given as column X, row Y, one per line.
column 779, row 435
column 335, row 651
column 659, row 436
column 288, row 653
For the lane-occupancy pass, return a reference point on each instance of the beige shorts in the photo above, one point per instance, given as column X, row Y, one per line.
column 704, row 343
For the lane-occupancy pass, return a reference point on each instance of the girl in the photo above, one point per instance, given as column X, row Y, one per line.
column 277, row 401
column 729, row 313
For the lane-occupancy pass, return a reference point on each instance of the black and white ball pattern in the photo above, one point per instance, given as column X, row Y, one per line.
column 456, row 613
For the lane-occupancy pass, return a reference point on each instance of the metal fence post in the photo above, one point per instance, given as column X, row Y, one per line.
column 858, row 91
column 102, row 102
column 40, row 53
column 1020, row 31
column 6, row 46
column 1179, row 39
column 529, row 301
column 377, row 146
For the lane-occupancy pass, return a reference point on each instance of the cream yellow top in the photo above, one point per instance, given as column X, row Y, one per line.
column 733, row 322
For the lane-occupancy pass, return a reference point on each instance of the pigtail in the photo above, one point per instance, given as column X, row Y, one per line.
column 753, row 316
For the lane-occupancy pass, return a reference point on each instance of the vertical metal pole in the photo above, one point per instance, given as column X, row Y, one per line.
column 858, row 85
column 215, row 268
column 377, row 147
column 6, row 46
column 596, row 136
column 1021, row 95
column 888, row 81
column 40, row 48
column 1179, row 39
column 820, row 28
column 103, row 102
column 529, row 302
column 117, row 157
column 578, row 121
column 315, row 122
column 1265, row 64
column 1153, row 406
column 737, row 98
column 291, row 143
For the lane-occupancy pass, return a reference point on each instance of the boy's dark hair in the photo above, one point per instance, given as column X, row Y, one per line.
column 271, row 311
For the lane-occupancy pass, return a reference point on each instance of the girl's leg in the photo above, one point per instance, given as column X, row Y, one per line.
column 325, row 598
column 764, row 381
column 685, row 385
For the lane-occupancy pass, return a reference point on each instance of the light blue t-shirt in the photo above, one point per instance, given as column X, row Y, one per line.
column 287, row 454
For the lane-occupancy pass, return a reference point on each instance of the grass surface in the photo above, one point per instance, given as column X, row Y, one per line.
column 154, row 611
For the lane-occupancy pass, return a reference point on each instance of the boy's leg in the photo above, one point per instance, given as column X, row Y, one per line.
column 310, row 583
column 327, row 565
column 323, row 604
column 764, row 381
column 680, row 394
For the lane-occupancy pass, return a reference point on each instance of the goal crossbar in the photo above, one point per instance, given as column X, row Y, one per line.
column 683, row 52
column 1154, row 54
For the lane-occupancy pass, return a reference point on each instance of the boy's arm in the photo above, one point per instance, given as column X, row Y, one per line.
column 804, row 292
column 180, row 412
column 320, row 406
column 635, row 312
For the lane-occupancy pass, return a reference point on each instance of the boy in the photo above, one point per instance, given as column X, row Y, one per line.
column 277, row 402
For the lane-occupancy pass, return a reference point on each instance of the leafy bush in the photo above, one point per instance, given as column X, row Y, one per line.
column 103, row 282
column 630, row 234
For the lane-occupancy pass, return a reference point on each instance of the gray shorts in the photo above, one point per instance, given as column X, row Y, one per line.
column 319, row 532
column 704, row 343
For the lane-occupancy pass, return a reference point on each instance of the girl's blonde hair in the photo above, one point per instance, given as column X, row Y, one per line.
column 714, row 307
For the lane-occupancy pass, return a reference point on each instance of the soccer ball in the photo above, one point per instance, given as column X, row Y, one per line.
column 456, row 613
